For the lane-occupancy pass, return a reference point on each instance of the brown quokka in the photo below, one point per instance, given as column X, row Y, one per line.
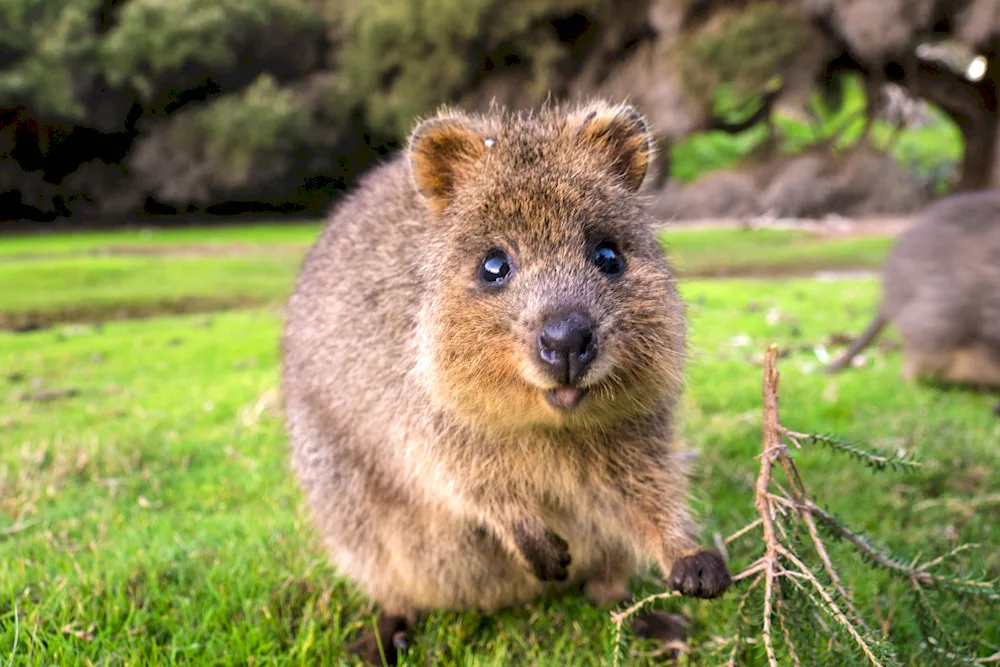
column 941, row 289
column 481, row 364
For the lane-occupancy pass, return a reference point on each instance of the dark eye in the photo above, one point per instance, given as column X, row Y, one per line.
column 607, row 258
column 495, row 269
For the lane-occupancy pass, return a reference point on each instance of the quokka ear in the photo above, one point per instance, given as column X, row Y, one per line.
column 440, row 150
column 621, row 135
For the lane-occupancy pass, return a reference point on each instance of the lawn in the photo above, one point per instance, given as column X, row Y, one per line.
column 98, row 276
column 258, row 237
column 699, row 253
column 77, row 288
column 148, row 515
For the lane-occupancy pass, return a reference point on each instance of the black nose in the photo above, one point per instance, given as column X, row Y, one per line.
column 567, row 345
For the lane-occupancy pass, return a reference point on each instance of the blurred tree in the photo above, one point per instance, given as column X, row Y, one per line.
column 178, row 103
column 944, row 51
column 199, row 104
column 402, row 58
column 726, row 64
column 112, row 107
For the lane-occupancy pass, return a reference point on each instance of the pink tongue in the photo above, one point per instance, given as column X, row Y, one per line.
column 568, row 397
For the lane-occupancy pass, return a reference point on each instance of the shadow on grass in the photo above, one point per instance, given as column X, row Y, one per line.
column 33, row 320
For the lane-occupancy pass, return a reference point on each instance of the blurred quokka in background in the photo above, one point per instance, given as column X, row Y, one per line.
column 941, row 290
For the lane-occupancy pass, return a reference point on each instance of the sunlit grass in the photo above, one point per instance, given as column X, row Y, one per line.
column 151, row 518
column 49, row 279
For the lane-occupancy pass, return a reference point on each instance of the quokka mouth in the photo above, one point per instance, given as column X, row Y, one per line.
column 566, row 397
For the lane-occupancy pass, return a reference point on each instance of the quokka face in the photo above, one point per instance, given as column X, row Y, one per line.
column 552, row 303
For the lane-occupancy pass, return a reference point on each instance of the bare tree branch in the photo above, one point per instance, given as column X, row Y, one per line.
column 778, row 503
column 768, row 101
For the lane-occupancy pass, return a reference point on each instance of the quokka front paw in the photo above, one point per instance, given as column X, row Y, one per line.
column 391, row 640
column 546, row 553
column 669, row 630
column 702, row 575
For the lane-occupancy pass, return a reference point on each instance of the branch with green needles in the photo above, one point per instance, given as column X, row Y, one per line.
column 802, row 588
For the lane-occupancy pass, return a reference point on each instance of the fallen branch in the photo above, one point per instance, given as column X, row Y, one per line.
column 782, row 507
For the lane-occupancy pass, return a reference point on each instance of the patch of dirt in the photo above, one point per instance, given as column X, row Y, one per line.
column 25, row 322
column 175, row 250
column 808, row 268
column 205, row 249
column 48, row 395
column 831, row 226
column 41, row 319
column 753, row 273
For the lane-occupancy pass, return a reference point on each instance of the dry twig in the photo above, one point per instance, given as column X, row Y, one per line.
column 777, row 504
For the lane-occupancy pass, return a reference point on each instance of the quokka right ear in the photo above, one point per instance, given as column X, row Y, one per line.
column 440, row 150
column 620, row 134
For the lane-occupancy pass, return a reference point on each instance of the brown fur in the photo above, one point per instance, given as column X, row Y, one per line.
column 439, row 475
column 941, row 289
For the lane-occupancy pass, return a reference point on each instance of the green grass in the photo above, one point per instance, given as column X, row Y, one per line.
column 151, row 238
column 81, row 288
column 769, row 252
column 52, row 278
column 155, row 520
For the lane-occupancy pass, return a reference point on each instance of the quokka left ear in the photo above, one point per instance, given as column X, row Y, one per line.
column 621, row 135
column 440, row 150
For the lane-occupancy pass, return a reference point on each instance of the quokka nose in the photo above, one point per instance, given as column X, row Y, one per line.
column 567, row 345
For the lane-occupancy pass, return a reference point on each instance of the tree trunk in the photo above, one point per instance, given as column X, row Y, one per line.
column 995, row 177
column 981, row 160
column 973, row 106
column 661, row 164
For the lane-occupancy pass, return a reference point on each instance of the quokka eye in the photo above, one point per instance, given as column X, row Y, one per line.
column 607, row 259
column 496, row 268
